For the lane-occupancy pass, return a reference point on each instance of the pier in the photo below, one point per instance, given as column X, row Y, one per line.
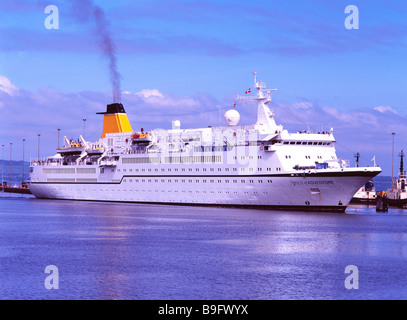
column 24, row 189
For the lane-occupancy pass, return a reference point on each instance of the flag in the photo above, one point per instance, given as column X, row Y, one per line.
column 243, row 103
column 234, row 104
column 374, row 160
column 248, row 91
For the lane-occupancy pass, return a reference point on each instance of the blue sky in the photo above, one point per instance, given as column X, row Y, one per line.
column 186, row 59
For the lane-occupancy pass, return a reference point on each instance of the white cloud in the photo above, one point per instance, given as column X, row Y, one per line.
column 302, row 105
column 154, row 98
column 384, row 109
column 147, row 93
column 7, row 87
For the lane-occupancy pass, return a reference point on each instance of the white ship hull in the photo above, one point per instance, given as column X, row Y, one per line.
column 320, row 190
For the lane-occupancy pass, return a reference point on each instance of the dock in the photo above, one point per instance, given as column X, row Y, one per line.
column 11, row 189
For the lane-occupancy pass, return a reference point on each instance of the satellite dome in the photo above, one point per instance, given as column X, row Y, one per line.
column 232, row 117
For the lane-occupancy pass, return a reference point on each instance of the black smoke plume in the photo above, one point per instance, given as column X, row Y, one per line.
column 86, row 10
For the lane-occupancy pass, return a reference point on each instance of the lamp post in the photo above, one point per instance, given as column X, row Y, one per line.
column 22, row 179
column 39, row 147
column 58, row 136
column 392, row 160
column 2, row 167
column 84, row 129
column 11, row 146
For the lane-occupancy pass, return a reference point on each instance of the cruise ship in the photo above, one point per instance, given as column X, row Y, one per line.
column 260, row 165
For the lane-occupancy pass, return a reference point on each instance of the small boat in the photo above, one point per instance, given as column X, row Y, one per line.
column 141, row 137
column 72, row 147
column 397, row 195
column 366, row 194
column 95, row 150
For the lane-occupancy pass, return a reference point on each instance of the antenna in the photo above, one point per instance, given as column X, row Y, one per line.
column 357, row 156
column 401, row 162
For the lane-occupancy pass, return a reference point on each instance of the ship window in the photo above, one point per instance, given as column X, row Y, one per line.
column 242, row 181
column 292, row 142
column 304, row 142
column 298, row 142
column 285, row 142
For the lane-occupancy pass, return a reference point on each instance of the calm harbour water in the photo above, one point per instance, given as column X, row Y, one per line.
column 138, row 251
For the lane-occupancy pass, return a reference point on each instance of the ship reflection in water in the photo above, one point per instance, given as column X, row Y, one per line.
column 137, row 251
